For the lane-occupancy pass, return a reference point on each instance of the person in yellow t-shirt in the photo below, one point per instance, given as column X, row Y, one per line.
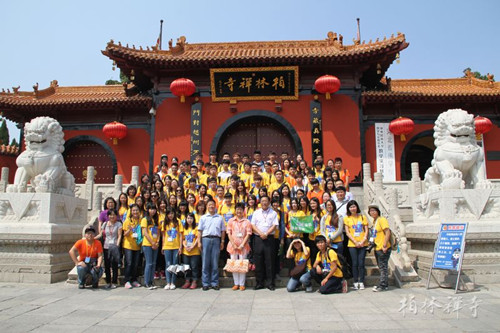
column 300, row 254
column 172, row 231
column 191, row 254
column 150, row 243
column 131, row 249
column 131, row 194
column 122, row 206
column 246, row 174
column 326, row 270
column 381, row 236
column 226, row 210
column 356, row 228
column 278, row 181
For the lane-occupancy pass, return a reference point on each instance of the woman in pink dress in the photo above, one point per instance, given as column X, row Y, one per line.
column 239, row 231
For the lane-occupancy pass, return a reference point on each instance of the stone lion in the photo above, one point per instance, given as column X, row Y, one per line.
column 458, row 161
column 42, row 163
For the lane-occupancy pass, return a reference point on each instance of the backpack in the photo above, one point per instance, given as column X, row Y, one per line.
column 345, row 267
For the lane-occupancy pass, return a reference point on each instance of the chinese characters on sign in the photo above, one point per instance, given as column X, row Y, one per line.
column 316, row 132
column 384, row 144
column 450, row 246
column 254, row 83
column 195, row 130
column 453, row 305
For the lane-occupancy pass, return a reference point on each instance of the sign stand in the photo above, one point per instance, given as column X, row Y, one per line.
column 449, row 250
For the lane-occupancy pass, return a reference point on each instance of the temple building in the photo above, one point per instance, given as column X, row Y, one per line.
column 256, row 95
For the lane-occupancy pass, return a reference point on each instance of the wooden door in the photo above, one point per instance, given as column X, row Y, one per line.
column 89, row 153
column 257, row 133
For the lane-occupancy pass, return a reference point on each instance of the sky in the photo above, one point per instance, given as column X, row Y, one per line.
column 58, row 39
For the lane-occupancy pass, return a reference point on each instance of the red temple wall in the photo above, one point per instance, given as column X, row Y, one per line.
column 340, row 126
column 398, row 146
column 490, row 144
column 130, row 151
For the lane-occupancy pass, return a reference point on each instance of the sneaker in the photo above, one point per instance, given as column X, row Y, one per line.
column 81, row 286
column 167, row 286
column 242, row 288
column 150, row 287
column 172, row 286
column 235, row 287
column 345, row 288
column 95, row 286
column 205, row 288
column 309, row 289
column 108, row 286
column 128, row 285
column 136, row 284
column 162, row 275
column 186, row 285
column 194, row 285
column 378, row 288
column 216, row 287
column 355, row 286
column 156, row 276
column 361, row 286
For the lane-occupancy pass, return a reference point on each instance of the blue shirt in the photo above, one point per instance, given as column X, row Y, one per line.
column 211, row 225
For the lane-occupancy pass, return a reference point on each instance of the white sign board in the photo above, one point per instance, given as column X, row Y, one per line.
column 384, row 143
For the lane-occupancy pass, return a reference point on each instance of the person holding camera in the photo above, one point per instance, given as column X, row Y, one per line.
column 326, row 270
column 381, row 240
column 87, row 255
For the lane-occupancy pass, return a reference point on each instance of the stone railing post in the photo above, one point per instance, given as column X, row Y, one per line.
column 118, row 185
column 367, row 172
column 89, row 186
column 4, row 180
column 135, row 176
column 399, row 228
column 97, row 204
column 415, row 179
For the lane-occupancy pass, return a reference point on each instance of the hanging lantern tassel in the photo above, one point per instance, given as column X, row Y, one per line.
column 183, row 99
column 402, row 137
column 327, row 95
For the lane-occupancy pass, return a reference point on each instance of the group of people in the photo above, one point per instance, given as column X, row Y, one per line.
column 194, row 213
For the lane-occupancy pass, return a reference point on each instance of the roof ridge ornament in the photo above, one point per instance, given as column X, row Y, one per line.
column 179, row 46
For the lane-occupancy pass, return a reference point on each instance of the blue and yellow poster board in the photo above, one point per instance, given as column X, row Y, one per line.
column 449, row 248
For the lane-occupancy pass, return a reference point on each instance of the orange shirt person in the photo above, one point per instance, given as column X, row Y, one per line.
column 89, row 259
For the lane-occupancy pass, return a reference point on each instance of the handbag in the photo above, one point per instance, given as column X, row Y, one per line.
column 298, row 270
column 237, row 265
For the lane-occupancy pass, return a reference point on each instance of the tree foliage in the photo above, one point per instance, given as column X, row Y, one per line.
column 475, row 74
column 4, row 133
column 14, row 143
column 123, row 79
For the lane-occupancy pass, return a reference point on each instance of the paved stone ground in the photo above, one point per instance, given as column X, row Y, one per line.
column 62, row 307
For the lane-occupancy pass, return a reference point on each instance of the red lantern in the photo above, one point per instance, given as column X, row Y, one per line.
column 327, row 84
column 182, row 87
column 483, row 125
column 401, row 126
column 115, row 131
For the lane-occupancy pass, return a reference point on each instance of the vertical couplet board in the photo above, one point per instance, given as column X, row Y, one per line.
column 316, row 130
column 195, row 144
column 449, row 249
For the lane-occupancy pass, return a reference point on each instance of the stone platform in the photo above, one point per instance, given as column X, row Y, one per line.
column 36, row 232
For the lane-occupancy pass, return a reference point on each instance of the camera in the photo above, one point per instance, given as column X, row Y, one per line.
column 370, row 247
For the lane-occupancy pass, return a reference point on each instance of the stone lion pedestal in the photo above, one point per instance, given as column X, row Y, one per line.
column 36, row 232
column 457, row 191
column 40, row 218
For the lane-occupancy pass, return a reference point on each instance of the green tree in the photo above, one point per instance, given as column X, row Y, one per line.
column 14, row 143
column 475, row 74
column 4, row 133
column 123, row 79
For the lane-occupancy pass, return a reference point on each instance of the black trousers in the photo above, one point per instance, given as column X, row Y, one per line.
column 108, row 266
column 264, row 256
column 333, row 285
column 131, row 265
